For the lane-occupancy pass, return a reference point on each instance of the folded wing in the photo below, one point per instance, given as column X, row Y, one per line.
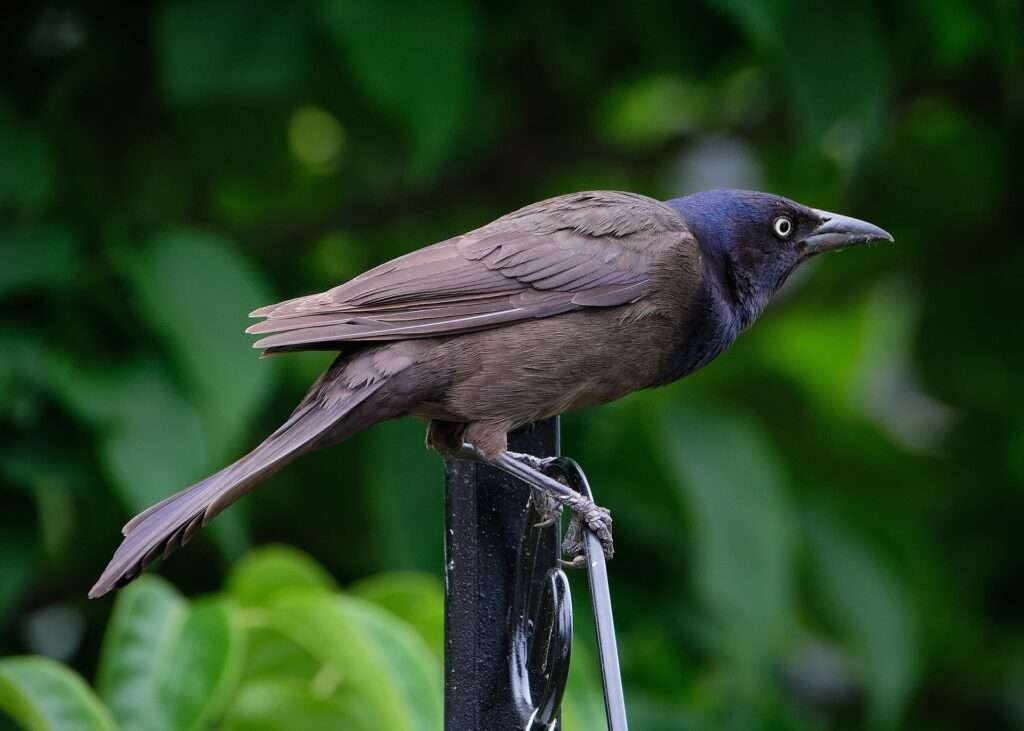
column 583, row 250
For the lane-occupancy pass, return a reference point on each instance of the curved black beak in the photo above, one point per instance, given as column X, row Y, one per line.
column 839, row 232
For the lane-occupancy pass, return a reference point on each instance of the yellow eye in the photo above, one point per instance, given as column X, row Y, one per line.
column 783, row 227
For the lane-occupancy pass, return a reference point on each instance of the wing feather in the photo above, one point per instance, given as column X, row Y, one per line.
column 584, row 250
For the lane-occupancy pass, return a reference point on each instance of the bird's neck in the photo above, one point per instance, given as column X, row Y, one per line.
column 711, row 328
column 735, row 295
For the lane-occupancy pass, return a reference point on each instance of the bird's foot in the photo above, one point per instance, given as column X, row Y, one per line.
column 596, row 519
column 585, row 512
column 549, row 509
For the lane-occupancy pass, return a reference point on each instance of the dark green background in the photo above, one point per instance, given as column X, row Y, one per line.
column 820, row 530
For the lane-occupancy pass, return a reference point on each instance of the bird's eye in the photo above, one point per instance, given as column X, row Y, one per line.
column 782, row 227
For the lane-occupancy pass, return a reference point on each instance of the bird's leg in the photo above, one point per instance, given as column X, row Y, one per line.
column 538, row 463
column 583, row 509
column 549, row 508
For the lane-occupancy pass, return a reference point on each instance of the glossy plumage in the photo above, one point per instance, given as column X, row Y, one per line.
column 567, row 303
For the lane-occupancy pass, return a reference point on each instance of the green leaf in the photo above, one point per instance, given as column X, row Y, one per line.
column 195, row 289
column 42, row 256
column 28, row 170
column 144, row 627
column 415, row 598
column 202, row 672
column 232, row 49
column 376, row 657
column 272, row 655
column 731, row 479
column 43, row 695
column 265, row 571
column 405, row 659
column 872, row 607
column 166, row 665
column 283, row 703
column 390, row 66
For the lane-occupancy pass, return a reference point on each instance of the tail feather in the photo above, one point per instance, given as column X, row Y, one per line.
column 162, row 528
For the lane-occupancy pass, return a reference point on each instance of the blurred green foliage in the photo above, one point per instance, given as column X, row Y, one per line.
column 818, row 531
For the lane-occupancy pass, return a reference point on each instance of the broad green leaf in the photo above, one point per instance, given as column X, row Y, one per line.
column 202, row 671
column 271, row 655
column 390, row 66
column 265, row 571
column 195, row 289
column 43, row 695
column 41, row 256
column 27, row 175
column 166, row 665
column 872, row 607
column 145, row 626
column 229, row 49
column 414, row 671
column 405, row 496
column 373, row 655
column 417, row 599
column 732, row 482
column 284, row 703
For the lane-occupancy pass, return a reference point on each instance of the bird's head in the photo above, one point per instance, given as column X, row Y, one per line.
column 753, row 241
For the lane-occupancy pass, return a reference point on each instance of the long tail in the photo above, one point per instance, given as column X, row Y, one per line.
column 328, row 413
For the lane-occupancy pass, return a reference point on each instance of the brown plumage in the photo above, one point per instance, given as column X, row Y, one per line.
column 536, row 262
column 567, row 303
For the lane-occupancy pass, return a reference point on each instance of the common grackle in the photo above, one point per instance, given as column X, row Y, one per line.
column 567, row 303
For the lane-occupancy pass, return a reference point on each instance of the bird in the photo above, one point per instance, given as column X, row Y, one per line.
column 571, row 302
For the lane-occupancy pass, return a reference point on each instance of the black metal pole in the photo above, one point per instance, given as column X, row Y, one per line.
column 485, row 513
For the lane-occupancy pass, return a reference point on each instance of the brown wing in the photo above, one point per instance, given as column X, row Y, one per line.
column 591, row 249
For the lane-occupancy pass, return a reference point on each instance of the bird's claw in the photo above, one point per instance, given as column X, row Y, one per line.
column 598, row 520
column 583, row 511
column 549, row 509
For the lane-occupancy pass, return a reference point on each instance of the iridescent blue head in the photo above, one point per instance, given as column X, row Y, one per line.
column 752, row 241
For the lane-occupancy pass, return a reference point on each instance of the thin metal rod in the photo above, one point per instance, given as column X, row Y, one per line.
column 601, row 598
column 600, row 594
